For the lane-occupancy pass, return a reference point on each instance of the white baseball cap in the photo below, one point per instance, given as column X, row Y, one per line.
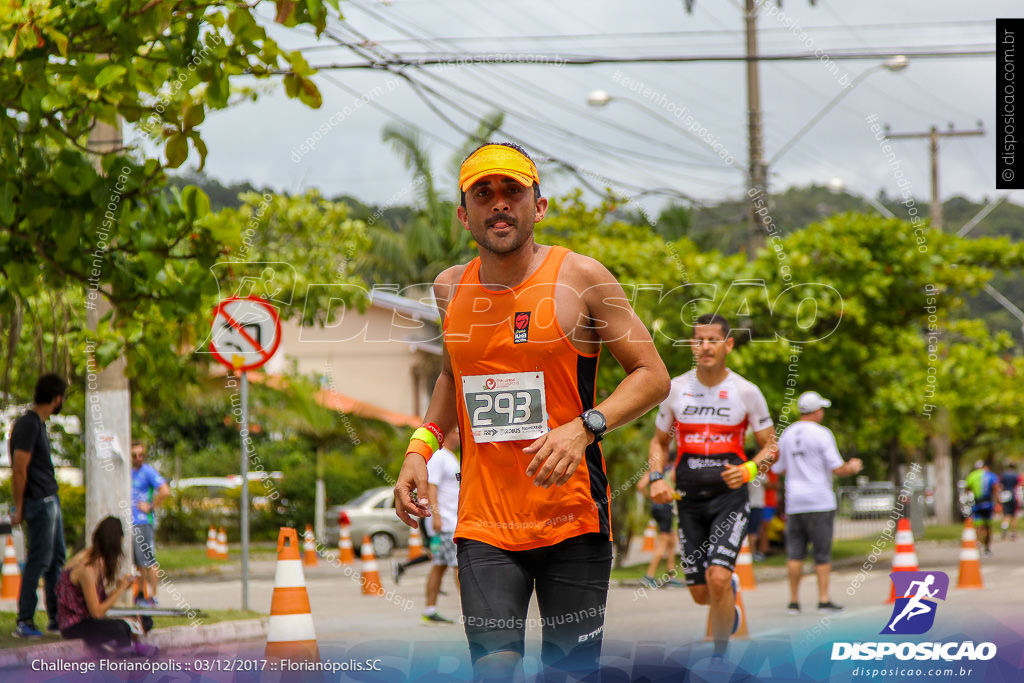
column 810, row 401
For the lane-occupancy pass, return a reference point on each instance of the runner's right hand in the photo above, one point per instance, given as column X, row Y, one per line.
column 413, row 477
column 660, row 492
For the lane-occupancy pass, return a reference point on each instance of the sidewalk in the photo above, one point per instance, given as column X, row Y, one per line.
column 167, row 639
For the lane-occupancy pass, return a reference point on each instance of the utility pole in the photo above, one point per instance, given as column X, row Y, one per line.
column 933, row 134
column 108, row 417
column 757, row 180
column 942, row 447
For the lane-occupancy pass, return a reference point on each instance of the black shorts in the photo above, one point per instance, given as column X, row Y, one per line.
column 711, row 532
column 662, row 514
column 810, row 527
column 571, row 580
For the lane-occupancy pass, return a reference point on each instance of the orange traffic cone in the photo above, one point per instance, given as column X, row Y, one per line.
column 905, row 559
column 141, row 588
column 309, row 548
column 743, row 631
column 222, row 544
column 211, row 544
column 650, row 533
column 290, row 633
column 745, row 567
column 970, row 560
column 371, row 576
column 345, row 553
column 415, row 543
column 10, row 583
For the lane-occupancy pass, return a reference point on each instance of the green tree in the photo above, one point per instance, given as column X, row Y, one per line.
column 157, row 68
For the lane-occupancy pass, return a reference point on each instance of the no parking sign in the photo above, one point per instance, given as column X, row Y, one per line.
column 246, row 332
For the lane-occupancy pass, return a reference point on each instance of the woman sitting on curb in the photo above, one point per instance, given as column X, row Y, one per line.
column 82, row 600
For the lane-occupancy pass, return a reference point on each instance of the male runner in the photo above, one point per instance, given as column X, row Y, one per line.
column 984, row 484
column 708, row 412
column 524, row 324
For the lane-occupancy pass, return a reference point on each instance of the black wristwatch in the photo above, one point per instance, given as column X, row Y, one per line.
column 594, row 421
column 656, row 476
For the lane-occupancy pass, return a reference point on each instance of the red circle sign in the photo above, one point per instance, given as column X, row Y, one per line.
column 246, row 332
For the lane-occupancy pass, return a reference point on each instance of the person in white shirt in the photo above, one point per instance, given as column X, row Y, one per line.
column 443, row 485
column 809, row 457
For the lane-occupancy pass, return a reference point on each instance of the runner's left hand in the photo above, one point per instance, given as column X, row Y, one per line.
column 557, row 454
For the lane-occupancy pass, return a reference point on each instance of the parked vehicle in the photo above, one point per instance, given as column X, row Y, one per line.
column 371, row 513
column 215, row 493
column 874, row 499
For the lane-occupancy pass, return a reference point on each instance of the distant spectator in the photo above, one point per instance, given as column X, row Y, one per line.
column 809, row 457
column 82, row 598
column 756, row 490
column 37, row 504
column 148, row 490
column 1010, row 482
column 763, row 500
column 665, row 542
column 984, row 486
column 770, row 484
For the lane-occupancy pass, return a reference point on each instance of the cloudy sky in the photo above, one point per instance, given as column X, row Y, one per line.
column 636, row 143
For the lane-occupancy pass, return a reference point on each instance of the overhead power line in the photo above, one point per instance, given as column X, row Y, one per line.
column 564, row 60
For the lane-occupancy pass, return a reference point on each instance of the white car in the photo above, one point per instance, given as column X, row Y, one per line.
column 371, row 513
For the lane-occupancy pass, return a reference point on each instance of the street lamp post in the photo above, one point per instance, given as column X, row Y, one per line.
column 893, row 64
column 600, row 98
column 757, row 174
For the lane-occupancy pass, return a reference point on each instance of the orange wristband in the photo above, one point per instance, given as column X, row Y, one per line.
column 421, row 447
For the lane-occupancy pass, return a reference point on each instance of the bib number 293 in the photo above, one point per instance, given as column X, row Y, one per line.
column 505, row 407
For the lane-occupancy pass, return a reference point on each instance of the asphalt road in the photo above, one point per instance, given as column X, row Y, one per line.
column 649, row 635
column 662, row 627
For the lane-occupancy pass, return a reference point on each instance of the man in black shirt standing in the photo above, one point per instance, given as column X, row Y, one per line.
column 37, row 505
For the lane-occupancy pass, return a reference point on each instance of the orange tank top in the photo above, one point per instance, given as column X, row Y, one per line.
column 517, row 376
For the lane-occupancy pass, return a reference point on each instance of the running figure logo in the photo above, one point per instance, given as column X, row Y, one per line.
column 914, row 612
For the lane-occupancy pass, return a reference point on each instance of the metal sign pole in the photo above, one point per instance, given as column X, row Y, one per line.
column 246, row 334
column 243, row 502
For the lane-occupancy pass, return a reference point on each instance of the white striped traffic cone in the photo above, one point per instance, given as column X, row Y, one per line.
column 650, row 533
column 905, row 559
column 415, row 543
column 10, row 582
column 371, row 575
column 345, row 553
column 222, row 544
column 745, row 567
column 970, row 560
column 211, row 544
column 309, row 548
column 290, row 633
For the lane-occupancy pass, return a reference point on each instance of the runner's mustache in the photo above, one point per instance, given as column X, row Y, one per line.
column 501, row 218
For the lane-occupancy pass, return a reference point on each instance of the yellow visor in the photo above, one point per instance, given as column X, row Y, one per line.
column 501, row 160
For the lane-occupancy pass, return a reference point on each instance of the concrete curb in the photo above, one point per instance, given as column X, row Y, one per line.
column 172, row 638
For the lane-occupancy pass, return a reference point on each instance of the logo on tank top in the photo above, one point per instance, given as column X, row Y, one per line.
column 522, row 325
column 723, row 394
